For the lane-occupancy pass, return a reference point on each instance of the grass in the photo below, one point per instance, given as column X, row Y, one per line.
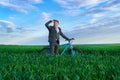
column 99, row 62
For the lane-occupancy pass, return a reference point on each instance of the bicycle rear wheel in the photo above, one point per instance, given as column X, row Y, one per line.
column 78, row 51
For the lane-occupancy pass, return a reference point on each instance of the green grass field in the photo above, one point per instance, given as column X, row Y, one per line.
column 98, row 62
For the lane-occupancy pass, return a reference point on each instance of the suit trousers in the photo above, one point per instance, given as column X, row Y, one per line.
column 54, row 47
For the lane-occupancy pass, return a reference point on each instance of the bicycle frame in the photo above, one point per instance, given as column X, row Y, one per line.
column 69, row 44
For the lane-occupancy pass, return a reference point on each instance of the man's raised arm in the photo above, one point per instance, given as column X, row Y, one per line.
column 47, row 24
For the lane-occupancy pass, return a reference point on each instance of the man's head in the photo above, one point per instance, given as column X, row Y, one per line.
column 56, row 23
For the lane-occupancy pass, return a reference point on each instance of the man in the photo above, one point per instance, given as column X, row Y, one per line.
column 54, row 33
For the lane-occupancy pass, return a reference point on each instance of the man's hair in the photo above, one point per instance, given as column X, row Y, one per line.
column 56, row 20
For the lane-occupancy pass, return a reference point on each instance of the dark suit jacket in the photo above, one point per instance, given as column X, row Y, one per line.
column 53, row 35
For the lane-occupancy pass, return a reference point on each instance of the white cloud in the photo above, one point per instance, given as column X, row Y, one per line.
column 70, row 4
column 96, row 17
column 35, row 1
column 17, row 35
column 20, row 5
column 45, row 16
column 75, row 7
column 113, row 3
column 7, row 26
column 106, row 38
column 40, row 40
column 18, row 38
column 16, row 7
column 21, row 36
column 108, row 7
column 106, row 30
column 111, row 22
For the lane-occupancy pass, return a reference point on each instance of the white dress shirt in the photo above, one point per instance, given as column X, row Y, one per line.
column 57, row 29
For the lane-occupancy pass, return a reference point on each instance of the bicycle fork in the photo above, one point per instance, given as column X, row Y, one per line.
column 72, row 51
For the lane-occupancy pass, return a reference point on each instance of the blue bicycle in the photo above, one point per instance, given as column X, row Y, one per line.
column 68, row 49
column 70, row 46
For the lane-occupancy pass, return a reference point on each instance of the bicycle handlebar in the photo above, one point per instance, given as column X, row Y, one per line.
column 70, row 39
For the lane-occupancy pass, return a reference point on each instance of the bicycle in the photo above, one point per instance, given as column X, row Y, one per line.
column 68, row 48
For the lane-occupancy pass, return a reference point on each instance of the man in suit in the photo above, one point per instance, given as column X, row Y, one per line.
column 54, row 33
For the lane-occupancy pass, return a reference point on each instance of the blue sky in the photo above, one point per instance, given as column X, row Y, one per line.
column 88, row 21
